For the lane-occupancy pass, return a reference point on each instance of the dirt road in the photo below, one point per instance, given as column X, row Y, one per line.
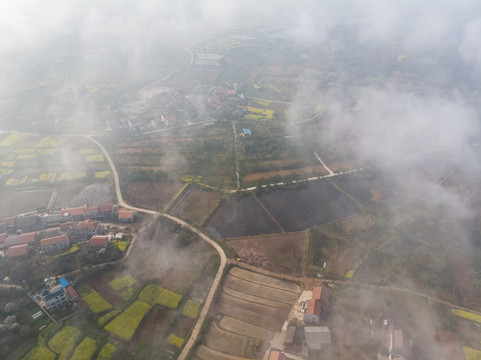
column 220, row 251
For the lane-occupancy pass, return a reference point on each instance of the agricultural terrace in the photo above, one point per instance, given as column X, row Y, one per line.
column 191, row 309
column 250, row 308
column 29, row 161
column 123, row 285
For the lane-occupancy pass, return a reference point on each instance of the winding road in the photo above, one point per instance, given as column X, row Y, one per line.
column 223, row 259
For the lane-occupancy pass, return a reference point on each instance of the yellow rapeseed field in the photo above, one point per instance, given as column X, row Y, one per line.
column 12, row 140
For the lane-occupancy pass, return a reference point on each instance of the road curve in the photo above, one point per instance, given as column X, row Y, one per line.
column 220, row 251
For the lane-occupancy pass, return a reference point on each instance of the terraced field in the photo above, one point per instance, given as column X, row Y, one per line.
column 250, row 309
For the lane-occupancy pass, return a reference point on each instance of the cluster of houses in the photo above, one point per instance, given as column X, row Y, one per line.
column 56, row 294
column 71, row 225
column 311, row 336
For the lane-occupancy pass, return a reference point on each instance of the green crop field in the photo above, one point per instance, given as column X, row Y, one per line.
column 127, row 322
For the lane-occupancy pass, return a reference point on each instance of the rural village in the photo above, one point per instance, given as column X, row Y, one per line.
column 202, row 218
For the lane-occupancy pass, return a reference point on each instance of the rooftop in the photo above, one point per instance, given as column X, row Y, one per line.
column 53, row 240
column 71, row 293
column 88, row 224
column 26, row 238
column 64, row 282
column 97, row 240
column 126, row 214
column 18, row 250
column 3, row 237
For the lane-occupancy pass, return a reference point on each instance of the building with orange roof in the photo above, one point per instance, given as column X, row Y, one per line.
column 69, row 214
column 3, row 237
column 26, row 238
column 277, row 355
column 87, row 228
column 18, row 250
column 312, row 315
column 54, row 243
column 98, row 242
column 126, row 216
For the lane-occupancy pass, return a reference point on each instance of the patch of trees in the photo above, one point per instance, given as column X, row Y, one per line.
column 319, row 244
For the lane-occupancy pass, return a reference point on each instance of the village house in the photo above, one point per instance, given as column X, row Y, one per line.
column 105, row 211
column 87, row 228
column 3, row 237
column 126, row 216
column 277, row 355
column 27, row 238
column 400, row 346
column 18, row 251
column 68, row 228
column 91, row 212
column 70, row 214
column 98, row 242
column 317, row 338
column 9, row 223
column 54, row 297
column 26, row 221
column 315, row 306
column 72, row 295
column 54, row 243
column 52, row 219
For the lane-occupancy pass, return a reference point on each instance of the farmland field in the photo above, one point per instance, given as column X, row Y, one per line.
column 196, row 205
column 21, row 202
column 225, row 341
column 281, row 253
column 317, row 203
column 240, row 218
column 248, row 312
column 151, row 195
column 244, row 328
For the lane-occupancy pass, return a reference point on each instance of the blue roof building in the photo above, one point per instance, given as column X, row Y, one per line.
column 247, row 131
column 64, row 282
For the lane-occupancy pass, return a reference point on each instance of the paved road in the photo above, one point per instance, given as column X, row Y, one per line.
column 223, row 259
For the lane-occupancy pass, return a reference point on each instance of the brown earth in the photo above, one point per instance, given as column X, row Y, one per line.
column 104, row 289
column 196, row 205
column 153, row 196
column 22, row 202
column 278, row 252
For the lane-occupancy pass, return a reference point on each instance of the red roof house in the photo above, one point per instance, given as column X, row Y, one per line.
column 18, row 250
column 71, row 293
column 54, row 243
column 87, row 227
column 26, row 238
column 3, row 237
column 99, row 241
column 126, row 216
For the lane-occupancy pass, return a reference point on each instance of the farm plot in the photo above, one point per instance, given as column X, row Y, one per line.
column 151, row 195
column 224, row 341
column 374, row 189
column 254, row 304
column 315, row 204
column 242, row 217
column 94, row 301
column 265, row 280
column 280, row 253
column 85, row 350
column 21, row 202
column 204, row 353
column 244, row 328
column 196, row 205
column 63, row 342
column 260, row 290
column 127, row 322
column 249, row 311
column 103, row 288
